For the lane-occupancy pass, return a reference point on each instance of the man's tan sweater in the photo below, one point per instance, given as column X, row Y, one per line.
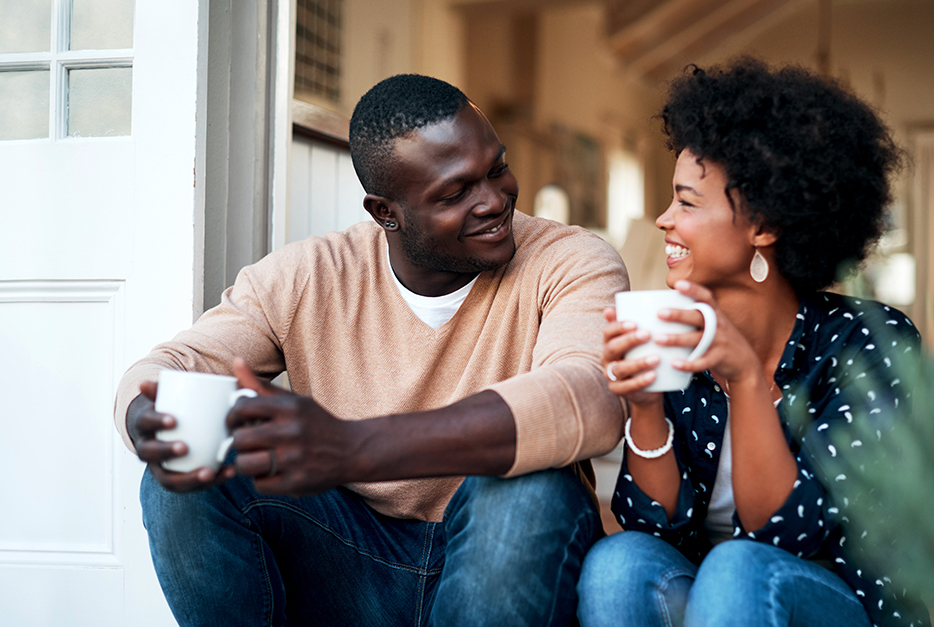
column 327, row 310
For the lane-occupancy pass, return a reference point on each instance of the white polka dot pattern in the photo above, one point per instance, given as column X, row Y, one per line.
column 817, row 369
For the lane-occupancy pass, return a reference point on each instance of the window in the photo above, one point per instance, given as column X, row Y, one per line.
column 625, row 194
column 65, row 68
column 318, row 50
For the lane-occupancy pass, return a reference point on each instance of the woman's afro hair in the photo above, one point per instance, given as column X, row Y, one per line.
column 811, row 160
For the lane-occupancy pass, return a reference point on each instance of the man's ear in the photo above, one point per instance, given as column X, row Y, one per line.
column 383, row 211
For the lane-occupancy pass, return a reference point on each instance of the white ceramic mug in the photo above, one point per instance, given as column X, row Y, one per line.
column 199, row 402
column 642, row 308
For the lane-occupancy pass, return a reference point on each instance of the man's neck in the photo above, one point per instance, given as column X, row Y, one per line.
column 425, row 282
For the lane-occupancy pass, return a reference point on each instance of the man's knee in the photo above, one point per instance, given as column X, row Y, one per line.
column 175, row 521
column 158, row 504
column 513, row 523
column 517, row 544
column 545, row 497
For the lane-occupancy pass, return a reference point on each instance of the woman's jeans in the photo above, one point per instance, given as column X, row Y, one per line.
column 508, row 552
column 635, row 579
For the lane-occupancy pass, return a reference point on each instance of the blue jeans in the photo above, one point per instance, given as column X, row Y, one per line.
column 635, row 579
column 508, row 552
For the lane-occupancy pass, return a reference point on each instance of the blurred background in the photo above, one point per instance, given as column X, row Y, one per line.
column 149, row 149
column 571, row 87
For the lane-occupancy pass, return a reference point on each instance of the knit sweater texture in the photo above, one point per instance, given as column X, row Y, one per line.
column 327, row 311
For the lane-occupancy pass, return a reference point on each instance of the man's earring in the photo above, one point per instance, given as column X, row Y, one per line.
column 759, row 268
column 390, row 224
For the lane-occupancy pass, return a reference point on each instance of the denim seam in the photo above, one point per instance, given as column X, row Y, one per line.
column 576, row 532
column 270, row 600
column 663, row 580
column 426, row 556
column 256, row 503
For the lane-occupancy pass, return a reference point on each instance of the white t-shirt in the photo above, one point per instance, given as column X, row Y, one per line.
column 434, row 310
column 719, row 521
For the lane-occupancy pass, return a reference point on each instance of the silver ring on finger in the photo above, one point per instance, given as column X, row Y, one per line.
column 273, row 463
column 609, row 372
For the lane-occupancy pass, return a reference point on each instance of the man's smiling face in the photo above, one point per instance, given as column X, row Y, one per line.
column 456, row 197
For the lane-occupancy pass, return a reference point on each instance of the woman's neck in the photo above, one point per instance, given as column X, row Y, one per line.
column 765, row 315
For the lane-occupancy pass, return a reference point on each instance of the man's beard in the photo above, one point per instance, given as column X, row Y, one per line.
column 427, row 252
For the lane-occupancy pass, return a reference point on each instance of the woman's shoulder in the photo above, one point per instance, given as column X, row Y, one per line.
column 835, row 334
column 839, row 314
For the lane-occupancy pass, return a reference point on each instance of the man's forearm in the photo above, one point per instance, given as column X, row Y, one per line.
column 475, row 436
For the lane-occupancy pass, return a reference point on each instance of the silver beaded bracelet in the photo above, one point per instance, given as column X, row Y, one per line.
column 653, row 453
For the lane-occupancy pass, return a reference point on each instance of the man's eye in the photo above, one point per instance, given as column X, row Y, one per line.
column 499, row 170
column 455, row 197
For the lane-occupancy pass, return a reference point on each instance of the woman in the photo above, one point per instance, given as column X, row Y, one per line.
column 782, row 177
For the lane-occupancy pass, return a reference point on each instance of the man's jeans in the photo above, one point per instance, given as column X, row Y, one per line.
column 635, row 579
column 508, row 552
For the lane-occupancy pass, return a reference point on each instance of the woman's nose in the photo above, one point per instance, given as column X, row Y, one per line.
column 665, row 221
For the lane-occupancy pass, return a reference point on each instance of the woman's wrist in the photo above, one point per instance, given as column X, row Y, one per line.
column 648, row 428
column 650, row 453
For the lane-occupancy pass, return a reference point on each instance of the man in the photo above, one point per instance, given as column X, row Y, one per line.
column 454, row 337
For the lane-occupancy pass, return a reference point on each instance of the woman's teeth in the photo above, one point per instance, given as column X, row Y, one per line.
column 673, row 250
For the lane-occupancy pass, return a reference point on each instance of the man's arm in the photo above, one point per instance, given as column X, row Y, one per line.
column 315, row 451
column 559, row 412
column 247, row 323
column 563, row 409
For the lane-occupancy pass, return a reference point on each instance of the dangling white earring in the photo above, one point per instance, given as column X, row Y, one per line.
column 759, row 268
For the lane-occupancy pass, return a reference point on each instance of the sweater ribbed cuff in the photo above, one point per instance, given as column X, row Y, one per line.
column 542, row 441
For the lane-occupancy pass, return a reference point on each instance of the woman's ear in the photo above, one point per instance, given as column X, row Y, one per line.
column 764, row 236
column 383, row 211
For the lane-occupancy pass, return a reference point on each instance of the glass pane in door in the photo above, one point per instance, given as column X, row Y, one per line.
column 101, row 24
column 100, row 102
column 25, row 25
column 318, row 50
column 24, row 105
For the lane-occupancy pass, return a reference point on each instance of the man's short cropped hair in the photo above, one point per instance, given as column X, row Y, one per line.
column 394, row 108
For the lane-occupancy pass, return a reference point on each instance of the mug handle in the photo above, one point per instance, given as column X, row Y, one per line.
column 710, row 329
column 225, row 445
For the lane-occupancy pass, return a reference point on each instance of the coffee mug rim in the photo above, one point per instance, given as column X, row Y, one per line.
column 665, row 291
column 196, row 374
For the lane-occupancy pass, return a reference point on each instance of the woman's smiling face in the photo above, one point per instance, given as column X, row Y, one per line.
column 706, row 241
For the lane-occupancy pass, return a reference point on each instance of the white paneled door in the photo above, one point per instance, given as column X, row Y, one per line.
column 98, row 214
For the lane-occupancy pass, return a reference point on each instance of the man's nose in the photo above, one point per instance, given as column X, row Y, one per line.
column 493, row 199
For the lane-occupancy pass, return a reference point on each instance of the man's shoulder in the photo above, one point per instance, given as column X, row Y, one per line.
column 552, row 253
column 358, row 243
column 537, row 236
